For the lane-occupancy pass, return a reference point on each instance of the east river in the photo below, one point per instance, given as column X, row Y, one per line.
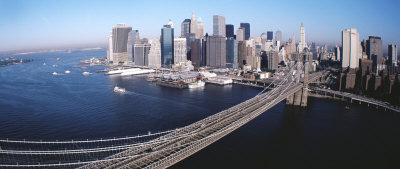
column 34, row 104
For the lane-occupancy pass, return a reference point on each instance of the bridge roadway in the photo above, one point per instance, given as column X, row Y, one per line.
column 204, row 132
column 359, row 98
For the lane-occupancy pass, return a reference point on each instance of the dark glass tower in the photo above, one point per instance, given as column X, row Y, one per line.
column 167, row 46
column 230, row 31
column 246, row 27
column 270, row 35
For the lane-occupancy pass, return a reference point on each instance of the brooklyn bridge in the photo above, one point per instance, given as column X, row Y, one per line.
column 165, row 148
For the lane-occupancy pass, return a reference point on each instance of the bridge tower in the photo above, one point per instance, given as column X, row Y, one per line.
column 300, row 98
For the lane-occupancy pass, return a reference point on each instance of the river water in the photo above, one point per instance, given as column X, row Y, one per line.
column 34, row 104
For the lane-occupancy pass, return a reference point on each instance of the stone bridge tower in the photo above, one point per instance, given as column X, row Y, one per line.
column 300, row 97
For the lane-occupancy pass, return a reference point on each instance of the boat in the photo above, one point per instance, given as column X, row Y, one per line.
column 220, row 80
column 347, row 107
column 55, row 73
column 85, row 73
column 198, row 84
column 67, row 72
column 137, row 72
column 119, row 90
column 44, row 64
column 112, row 72
column 58, row 59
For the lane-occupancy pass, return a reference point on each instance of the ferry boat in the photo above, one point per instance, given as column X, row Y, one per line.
column 119, row 90
column 219, row 80
column 137, row 72
column 112, row 72
column 198, row 84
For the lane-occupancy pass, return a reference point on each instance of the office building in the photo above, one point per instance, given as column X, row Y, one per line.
column 374, row 50
column 180, row 54
column 278, row 38
column 196, row 53
column 193, row 25
column 216, row 51
column 185, row 27
column 219, row 25
column 142, row 53
column 230, row 32
column 231, row 53
column 200, row 29
column 120, row 45
column 240, row 34
column 246, row 27
column 242, row 53
column 393, row 56
column 154, row 56
column 302, row 43
column 270, row 35
column 167, row 45
column 350, row 48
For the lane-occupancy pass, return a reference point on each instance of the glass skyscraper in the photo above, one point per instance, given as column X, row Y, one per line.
column 246, row 27
column 230, row 31
column 167, row 46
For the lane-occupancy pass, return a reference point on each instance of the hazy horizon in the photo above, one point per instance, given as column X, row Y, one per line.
column 44, row 24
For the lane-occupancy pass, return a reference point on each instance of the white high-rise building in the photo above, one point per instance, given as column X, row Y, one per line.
column 350, row 48
column 110, row 49
column 219, row 25
column 240, row 34
column 200, row 29
column 180, row 54
column 154, row 53
column 302, row 43
column 193, row 24
column 393, row 55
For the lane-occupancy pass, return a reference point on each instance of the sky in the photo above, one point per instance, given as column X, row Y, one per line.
column 33, row 24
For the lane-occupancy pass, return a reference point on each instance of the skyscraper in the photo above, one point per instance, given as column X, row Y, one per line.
column 196, row 53
column 350, row 48
column 219, row 25
column 200, row 29
column 231, row 53
column 185, row 27
column 180, row 50
column 141, row 54
column 302, row 43
column 374, row 50
column 242, row 53
column 216, row 51
column 120, row 51
column 230, row 32
column 154, row 53
column 246, row 27
column 393, row 56
column 193, row 25
column 278, row 38
column 167, row 45
column 240, row 34
column 270, row 35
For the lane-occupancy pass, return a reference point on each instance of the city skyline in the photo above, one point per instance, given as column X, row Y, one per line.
column 47, row 24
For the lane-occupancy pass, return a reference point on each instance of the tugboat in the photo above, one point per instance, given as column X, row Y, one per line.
column 119, row 90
